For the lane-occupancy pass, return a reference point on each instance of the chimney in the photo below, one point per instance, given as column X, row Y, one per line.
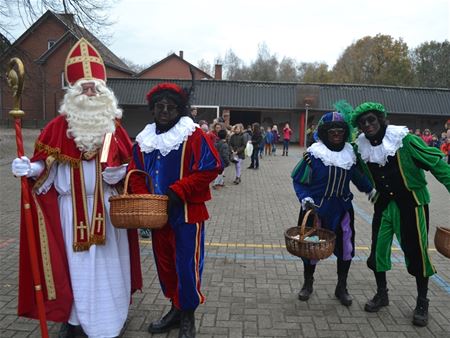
column 181, row 54
column 218, row 72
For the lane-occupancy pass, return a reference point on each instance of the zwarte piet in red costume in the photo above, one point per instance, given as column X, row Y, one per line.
column 182, row 162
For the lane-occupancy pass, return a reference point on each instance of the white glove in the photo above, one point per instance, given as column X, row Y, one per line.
column 23, row 167
column 307, row 203
column 373, row 196
column 112, row 175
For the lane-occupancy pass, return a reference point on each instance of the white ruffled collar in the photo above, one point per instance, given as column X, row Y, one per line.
column 392, row 141
column 343, row 159
column 148, row 140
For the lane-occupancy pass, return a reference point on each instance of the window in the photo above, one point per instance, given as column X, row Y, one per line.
column 50, row 43
column 63, row 81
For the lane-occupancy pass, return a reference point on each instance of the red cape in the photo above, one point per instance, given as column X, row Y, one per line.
column 53, row 143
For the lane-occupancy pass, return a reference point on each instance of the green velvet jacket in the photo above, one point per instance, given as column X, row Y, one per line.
column 413, row 158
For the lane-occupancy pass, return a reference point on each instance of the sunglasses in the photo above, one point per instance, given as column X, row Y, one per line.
column 165, row 106
column 336, row 131
column 364, row 120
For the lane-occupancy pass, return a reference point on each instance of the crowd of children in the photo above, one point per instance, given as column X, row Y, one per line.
column 433, row 140
column 234, row 144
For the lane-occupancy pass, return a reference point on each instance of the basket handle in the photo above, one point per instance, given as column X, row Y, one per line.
column 303, row 225
column 152, row 189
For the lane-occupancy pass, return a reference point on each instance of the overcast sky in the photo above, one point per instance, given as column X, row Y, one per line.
column 307, row 31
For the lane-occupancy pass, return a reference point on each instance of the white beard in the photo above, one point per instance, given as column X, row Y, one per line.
column 90, row 118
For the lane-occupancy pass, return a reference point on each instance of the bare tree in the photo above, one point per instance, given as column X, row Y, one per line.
column 136, row 67
column 89, row 14
column 205, row 66
column 232, row 65
column 265, row 67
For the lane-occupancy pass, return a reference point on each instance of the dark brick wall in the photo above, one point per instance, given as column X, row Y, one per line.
column 43, row 90
column 172, row 68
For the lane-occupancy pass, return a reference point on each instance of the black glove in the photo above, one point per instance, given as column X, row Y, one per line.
column 309, row 205
column 307, row 158
column 174, row 200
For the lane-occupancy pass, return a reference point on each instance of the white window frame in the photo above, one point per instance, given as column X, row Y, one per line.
column 215, row 107
column 50, row 43
column 63, row 80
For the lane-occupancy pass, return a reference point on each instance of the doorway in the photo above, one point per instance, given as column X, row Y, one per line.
column 244, row 117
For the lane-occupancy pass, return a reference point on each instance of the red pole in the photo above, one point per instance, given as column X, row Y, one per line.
column 16, row 83
column 301, row 130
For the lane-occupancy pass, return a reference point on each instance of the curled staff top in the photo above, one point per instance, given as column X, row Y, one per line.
column 15, row 80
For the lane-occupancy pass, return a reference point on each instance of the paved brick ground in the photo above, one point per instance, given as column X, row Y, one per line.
column 250, row 280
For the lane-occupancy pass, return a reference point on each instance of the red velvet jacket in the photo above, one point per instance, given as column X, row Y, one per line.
column 196, row 167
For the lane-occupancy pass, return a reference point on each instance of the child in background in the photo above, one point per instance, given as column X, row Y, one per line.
column 276, row 138
column 287, row 133
column 224, row 151
column 268, row 141
column 445, row 148
column 262, row 143
column 435, row 142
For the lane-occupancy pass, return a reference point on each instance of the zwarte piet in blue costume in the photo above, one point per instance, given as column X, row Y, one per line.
column 395, row 161
column 322, row 181
column 181, row 162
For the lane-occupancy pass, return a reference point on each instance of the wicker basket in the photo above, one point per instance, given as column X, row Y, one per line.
column 309, row 250
column 132, row 211
column 442, row 241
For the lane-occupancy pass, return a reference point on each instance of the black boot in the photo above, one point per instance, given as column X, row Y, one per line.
column 66, row 331
column 169, row 321
column 307, row 287
column 71, row 331
column 187, row 326
column 420, row 316
column 378, row 301
column 341, row 291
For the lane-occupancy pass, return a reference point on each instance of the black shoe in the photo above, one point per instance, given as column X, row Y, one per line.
column 342, row 294
column 420, row 316
column 306, row 290
column 70, row 331
column 251, row 167
column 378, row 301
column 187, row 326
column 66, row 331
column 169, row 321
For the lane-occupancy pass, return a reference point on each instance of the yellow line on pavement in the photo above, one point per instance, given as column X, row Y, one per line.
column 263, row 246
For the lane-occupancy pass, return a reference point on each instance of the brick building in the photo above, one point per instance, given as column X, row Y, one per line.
column 173, row 67
column 43, row 49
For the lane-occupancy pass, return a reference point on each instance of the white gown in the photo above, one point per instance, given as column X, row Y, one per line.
column 101, row 276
